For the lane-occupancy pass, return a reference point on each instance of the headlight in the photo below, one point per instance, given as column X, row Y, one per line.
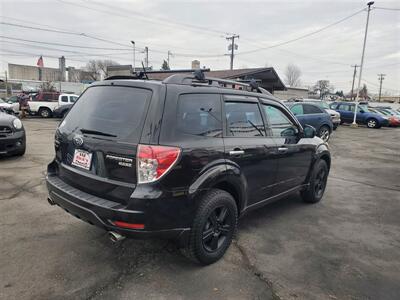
column 17, row 124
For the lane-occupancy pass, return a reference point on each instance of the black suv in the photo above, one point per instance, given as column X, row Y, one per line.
column 181, row 159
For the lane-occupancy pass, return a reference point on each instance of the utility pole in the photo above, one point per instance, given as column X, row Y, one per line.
column 134, row 56
column 354, row 124
column 232, row 47
column 168, row 55
column 5, row 73
column 381, row 78
column 146, row 51
column 354, row 77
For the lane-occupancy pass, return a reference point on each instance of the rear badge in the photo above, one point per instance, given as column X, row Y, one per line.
column 122, row 161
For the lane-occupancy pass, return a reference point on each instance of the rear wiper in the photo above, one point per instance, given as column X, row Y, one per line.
column 88, row 131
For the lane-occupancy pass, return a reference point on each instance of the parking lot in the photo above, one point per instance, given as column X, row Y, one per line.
column 346, row 247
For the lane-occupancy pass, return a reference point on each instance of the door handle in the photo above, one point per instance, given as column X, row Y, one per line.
column 236, row 152
column 282, row 149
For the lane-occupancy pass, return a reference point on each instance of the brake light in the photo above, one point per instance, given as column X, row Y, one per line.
column 154, row 161
column 128, row 225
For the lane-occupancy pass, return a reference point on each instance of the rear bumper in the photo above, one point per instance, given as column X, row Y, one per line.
column 101, row 212
column 12, row 143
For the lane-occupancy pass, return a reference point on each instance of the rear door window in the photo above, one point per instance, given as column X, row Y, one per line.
column 64, row 98
column 113, row 110
column 200, row 114
column 311, row 109
column 243, row 119
column 297, row 109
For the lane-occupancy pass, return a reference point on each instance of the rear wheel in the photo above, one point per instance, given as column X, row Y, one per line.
column 324, row 133
column 318, row 180
column 45, row 112
column 213, row 228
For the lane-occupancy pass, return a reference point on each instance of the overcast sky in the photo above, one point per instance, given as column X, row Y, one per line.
column 195, row 30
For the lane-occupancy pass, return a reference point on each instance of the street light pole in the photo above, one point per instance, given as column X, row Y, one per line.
column 354, row 124
column 134, row 55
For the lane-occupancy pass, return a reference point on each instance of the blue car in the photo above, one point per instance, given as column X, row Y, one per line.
column 364, row 115
column 311, row 114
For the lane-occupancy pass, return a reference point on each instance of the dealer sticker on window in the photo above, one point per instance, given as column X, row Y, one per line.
column 82, row 159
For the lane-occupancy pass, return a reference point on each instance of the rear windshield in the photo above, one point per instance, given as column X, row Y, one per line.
column 113, row 110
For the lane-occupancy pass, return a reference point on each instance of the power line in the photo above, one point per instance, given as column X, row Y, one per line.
column 388, row 8
column 64, row 45
column 303, row 36
column 143, row 16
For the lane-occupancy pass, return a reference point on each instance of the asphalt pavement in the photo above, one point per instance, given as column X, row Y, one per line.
column 346, row 247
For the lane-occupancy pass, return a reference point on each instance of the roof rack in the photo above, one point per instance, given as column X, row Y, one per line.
column 199, row 79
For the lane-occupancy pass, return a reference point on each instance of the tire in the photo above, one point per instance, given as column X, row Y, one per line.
column 45, row 112
column 318, row 180
column 372, row 123
column 213, row 228
column 324, row 133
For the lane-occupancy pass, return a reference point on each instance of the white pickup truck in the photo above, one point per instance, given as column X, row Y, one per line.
column 44, row 108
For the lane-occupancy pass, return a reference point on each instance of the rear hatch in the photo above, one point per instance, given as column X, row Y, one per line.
column 96, row 143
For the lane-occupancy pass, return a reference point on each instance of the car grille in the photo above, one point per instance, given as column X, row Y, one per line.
column 5, row 130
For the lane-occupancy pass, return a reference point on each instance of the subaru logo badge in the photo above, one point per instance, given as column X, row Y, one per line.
column 78, row 141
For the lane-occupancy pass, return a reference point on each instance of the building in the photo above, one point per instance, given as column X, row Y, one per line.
column 292, row 92
column 267, row 77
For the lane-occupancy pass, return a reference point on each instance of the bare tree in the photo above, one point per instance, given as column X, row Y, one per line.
column 47, row 86
column 97, row 68
column 292, row 75
column 364, row 92
column 323, row 87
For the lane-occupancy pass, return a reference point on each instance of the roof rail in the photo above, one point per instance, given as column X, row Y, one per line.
column 199, row 79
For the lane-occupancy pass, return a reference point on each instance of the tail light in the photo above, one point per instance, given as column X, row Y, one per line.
column 154, row 161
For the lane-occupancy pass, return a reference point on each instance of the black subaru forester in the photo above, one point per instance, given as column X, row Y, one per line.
column 181, row 159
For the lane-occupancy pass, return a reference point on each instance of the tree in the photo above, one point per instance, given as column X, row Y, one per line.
column 364, row 92
column 322, row 87
column 97, row 68
column 339, row 93
column 292, row 75
column 47, row 86
column 165, row 65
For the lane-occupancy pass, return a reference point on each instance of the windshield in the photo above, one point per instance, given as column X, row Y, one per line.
column 321, row 104
column 112, row 111
column 2, row 101
column 364, row 108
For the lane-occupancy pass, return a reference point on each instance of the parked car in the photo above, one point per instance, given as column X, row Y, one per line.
column 61, row 111
column 45, row 108
column 12, row 135
column 335, row 116
column 184, row 159
column 394, row 121
column 363, row 116
column 311, row 114
column 7, row 107
column 13, row 101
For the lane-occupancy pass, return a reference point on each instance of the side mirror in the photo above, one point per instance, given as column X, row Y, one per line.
column 10, row 102
column 362, row 111
column 309, row 131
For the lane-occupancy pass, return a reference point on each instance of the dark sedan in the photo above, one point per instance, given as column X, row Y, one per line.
column 12, row 135
column 61, row 111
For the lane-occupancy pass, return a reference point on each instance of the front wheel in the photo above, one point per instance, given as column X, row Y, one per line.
column 372, row 123
column 318, row 180
column 213, row 227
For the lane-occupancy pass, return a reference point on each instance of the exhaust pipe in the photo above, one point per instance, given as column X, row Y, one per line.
column 115, row 237
column 51, row 202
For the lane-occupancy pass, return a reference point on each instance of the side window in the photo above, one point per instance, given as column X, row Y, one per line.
column 311, row 109
column 200, row 114
column 73, row 99
column 344, row 107
column 243, row 119
column 279, row 123
column 64, row 98
column 297, row 109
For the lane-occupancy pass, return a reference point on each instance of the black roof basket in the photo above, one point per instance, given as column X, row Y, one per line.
column 199, row 79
